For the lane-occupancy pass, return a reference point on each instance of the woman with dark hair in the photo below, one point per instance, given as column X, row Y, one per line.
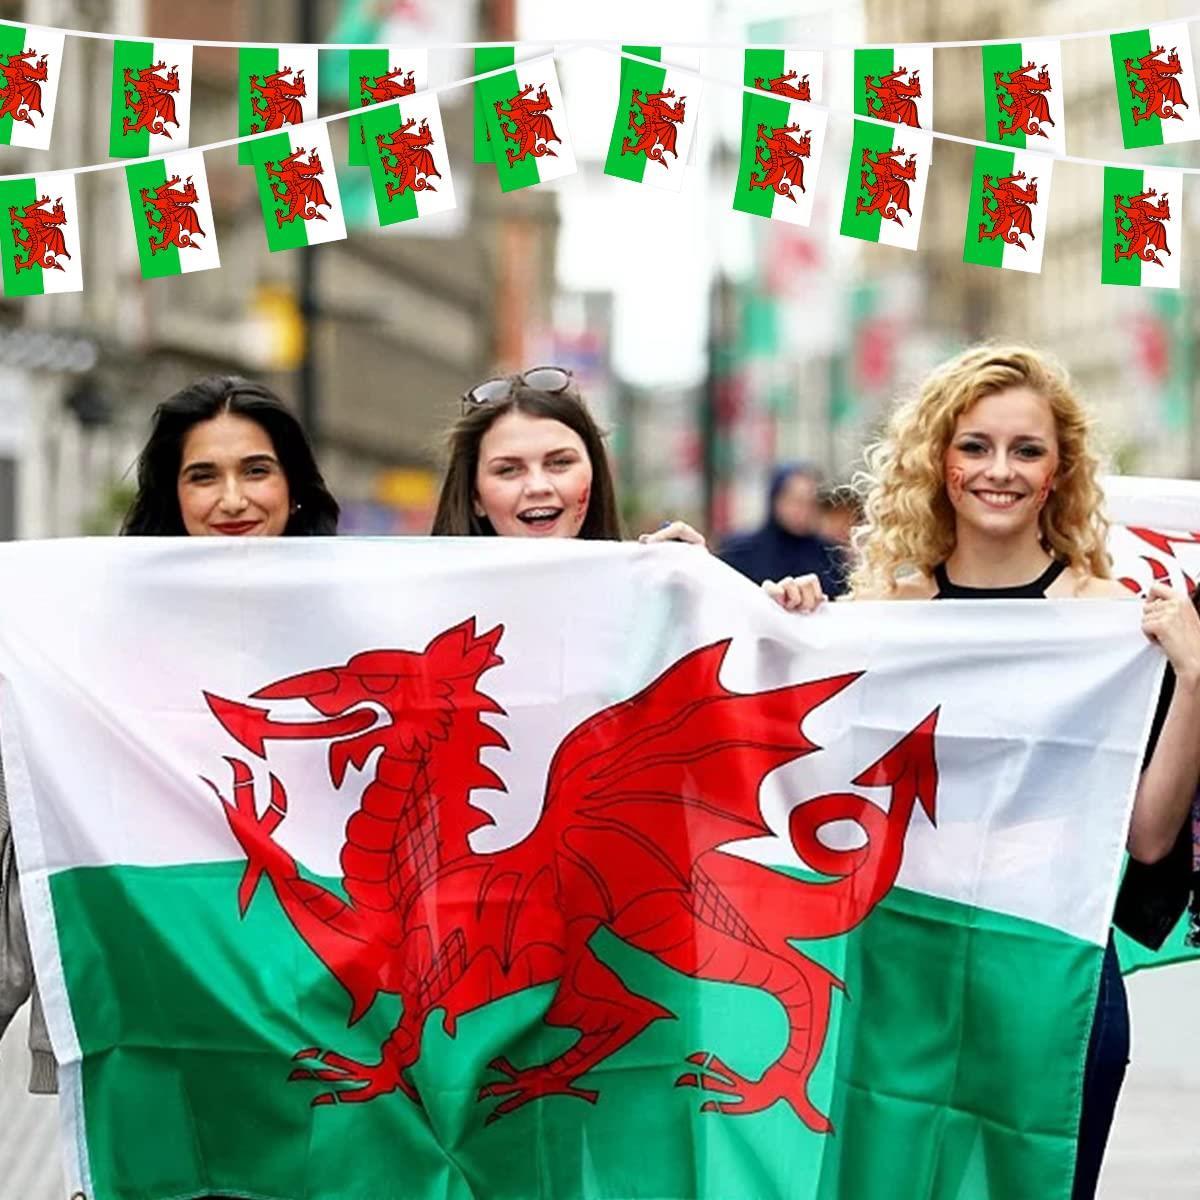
column 226, row 458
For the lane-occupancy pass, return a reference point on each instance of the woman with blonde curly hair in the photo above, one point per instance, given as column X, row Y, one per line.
column 985, row 485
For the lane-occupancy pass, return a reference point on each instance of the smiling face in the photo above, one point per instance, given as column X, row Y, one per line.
column 534, row 477
column 230, row 481
column 1001, row 463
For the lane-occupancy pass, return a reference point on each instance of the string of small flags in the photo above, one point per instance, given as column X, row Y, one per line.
column 395, row 131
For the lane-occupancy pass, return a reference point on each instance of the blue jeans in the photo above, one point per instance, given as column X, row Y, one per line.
column 1107, row 1058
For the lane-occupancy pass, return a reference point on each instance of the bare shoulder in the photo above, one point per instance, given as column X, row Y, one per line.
column 1073, row 584
column 911, row 587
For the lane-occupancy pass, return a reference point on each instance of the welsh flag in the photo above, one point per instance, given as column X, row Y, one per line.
column 655, row 119
column 1155, row 538
column 298, row 189
column 1142, row 211
column 363, row 865
column 39, row 236
column 410, row 168
column 172, row 215
column 1023, row 95
column 30, row 68
column 889, row 168
column 151, row 98
column 277, row 88
column 782, row 145
column 1156, row 85
column 379, row 74
column 527, row 124
column 1006, row 219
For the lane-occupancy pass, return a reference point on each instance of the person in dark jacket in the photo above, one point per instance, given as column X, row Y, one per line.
column 788, row 543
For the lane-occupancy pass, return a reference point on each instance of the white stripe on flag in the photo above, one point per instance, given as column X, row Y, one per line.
column 176, row 54
column 536, row 73
column 920, row 144
column 1174, row 36
column 50, row 43
column 333, row 227
column 816, row 122
column 70, row 278
column 439, row 196
column 1169, row 183
column 203, row 254
column 1047, row 52
column 1027, row 256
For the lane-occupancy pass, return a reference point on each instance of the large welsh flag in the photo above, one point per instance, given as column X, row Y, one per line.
column 1006, row 216
column 172, row 215
column 298, row 187
column 151, row 98
column 1023, row 95
column 1156, row 85
column 1142, row 219
column 351, row 866
column 410, row 168
column 30, row 69
column 39, row 235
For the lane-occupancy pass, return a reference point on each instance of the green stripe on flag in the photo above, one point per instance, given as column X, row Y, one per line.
column 501, row 89
column 645, row 78
column 875, row 63
column 988, row 252
column 291, row 234
column 877, row 139
column 372, row 64
column 18, row 194
column 251, row 62
column 771, row 111
column 12, row 41
column 149, row 175
column 1123, row 182
column 487, row 58
column 1001, row 60
column 960, row 1037
column 1135, row 45
column 134, row 56
column 391, row 209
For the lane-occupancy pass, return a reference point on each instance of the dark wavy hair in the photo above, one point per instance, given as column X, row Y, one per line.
column 456, row 515
column 155, row 509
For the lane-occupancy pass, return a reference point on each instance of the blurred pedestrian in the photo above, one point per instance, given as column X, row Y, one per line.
column 789, row 541
column 527, row 459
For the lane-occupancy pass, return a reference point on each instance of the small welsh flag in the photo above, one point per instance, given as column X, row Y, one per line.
column 487, row 58
column 172, row 215
column 656, row 118
column 376, row 75
column 895, row 86
column 1156, row 85
column 1006, row 219
column 889, row 168
column 277, row 87
column 1023, row 95
column 527, row 123
column 1143, row 227
column 410, row 169
column 782, row 143
column 30, row 68
column 151, row 98
column 297, row 186
column 39, row 235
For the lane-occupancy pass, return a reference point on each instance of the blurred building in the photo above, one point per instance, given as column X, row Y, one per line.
column 399, row 322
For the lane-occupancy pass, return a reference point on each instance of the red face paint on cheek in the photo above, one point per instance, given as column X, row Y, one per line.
column 955, row 483
column 1044, row 491
column 582, row 506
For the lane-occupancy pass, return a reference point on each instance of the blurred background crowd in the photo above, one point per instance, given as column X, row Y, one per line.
column 712, row 344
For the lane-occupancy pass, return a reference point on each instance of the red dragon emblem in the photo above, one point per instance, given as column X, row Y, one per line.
column 280, row 99
column 176, row 221
column 412, row 163
column 43, row 240
column 1160, row 563
column 299, row 187
column 783, row 167
column 1010, row 212
column 897, row 97
column 1142, row 226
column 22, row 86
column 152, row 99
column 657, row 132
column 888, row 192
column 383, row 88
column 1154, row 84
column 1027, row 107
column 639, row 799
column 526, row 121
column 786, row 85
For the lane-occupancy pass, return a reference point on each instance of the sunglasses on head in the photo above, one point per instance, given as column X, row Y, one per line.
column 542, row 379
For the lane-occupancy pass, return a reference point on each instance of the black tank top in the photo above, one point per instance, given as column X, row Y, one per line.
column 1036, row 590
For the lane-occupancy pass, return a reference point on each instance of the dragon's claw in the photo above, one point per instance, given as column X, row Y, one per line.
column 522, row 1084
column 359, row 1081
column 744, row 1095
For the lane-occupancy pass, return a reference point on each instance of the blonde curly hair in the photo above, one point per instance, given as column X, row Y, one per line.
column 909, row 522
